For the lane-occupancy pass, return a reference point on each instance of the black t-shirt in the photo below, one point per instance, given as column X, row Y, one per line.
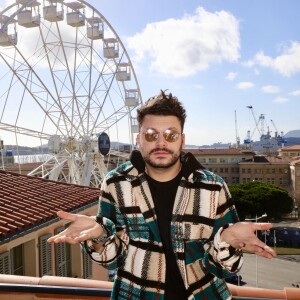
column 163, row 194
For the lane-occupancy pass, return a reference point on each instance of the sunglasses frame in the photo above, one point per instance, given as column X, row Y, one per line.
column 152, row 135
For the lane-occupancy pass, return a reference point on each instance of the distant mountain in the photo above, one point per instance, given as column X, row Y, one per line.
column 293, row 134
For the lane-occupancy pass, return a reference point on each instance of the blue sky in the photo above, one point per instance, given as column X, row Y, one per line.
column 217, row 57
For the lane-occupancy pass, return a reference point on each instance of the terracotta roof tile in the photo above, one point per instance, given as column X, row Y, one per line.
column 27, row 201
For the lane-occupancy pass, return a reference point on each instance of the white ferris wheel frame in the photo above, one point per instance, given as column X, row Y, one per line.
column 73, row 104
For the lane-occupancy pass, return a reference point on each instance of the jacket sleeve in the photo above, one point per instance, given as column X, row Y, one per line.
column 220, row 258
column 113, row 249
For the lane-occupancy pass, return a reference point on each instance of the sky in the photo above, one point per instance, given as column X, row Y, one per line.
column 218, row 57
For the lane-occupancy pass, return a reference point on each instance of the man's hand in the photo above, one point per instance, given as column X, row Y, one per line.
column 243, row 235
column 82, row 228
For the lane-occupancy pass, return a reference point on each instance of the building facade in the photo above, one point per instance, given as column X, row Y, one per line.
column 241, row 166
column 28, row 218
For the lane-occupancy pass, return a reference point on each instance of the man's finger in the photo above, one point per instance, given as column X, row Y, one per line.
column 262, row 226
column 65, row 215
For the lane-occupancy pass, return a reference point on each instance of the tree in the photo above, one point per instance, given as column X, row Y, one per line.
column 256, row 198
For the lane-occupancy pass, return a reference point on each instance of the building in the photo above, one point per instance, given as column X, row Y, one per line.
column 28, row 218
column 241, row 166
column 290, row 151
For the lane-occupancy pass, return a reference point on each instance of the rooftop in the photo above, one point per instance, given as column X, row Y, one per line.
column 27, row 202
column 290, row 148
column 225, row 151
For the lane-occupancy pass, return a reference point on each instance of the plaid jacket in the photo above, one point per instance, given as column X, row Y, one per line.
column 202, row 206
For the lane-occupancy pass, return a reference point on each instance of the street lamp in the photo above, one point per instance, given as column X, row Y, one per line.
column 256, row 257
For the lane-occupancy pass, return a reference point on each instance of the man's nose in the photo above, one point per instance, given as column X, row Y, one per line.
column 161, row 140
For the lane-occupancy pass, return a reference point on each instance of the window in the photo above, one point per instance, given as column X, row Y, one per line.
column 45, row 256
column 202, row 160
column 87, row 265
column 235, row 160
column 246, row 180
column 235, row 180
column 271, row 180
column 223, row 160
column 62, row 257
column 234, row 170
column 212, row 160
column 258, row 179
column 17, row 255
column 5, row 263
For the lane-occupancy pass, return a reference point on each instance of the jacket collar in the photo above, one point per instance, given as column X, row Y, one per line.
column 189, row 163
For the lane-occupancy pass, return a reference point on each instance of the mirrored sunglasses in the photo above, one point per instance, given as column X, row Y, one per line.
column 170, row 135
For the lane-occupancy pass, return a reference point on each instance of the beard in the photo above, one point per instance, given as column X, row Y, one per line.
column 162, row 165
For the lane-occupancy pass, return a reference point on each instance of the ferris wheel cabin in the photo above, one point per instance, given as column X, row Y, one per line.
column 7, row 38
column 110, row 48
column 131, row 97
column 75, row 14
column 134, row 125
column 29, row 17
column 94, row 29
column 54, row 11
column 123, row 72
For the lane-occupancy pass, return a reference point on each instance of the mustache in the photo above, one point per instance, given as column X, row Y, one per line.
column 161, row 149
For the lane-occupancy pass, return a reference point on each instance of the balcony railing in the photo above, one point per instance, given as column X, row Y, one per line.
column 53, row 287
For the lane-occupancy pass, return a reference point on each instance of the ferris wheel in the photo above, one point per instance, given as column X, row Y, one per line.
column 65, row 78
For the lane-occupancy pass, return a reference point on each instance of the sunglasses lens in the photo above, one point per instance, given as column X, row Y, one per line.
column 151, row 136
column 171, row 136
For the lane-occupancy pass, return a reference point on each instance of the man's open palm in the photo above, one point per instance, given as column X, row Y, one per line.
column 82, row 228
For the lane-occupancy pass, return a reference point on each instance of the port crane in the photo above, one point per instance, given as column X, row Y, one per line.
column 267, row 142
column 237, row 137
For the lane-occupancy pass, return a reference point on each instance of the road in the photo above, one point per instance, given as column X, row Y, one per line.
column 273, row 273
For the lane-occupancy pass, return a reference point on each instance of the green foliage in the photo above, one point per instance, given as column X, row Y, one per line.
column 256, row 198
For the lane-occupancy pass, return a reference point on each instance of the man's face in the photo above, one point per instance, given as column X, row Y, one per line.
column 160, row 153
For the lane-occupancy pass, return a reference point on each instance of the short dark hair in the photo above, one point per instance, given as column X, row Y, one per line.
column 162, row 105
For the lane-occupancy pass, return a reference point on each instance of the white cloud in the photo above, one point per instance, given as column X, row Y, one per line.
column 287, row 63
column 231, row 76
column 295, row 93
column 245, row 85
column 183, row 47
column 270, row 89
column 280, row 100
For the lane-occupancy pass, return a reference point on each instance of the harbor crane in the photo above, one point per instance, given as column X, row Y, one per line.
column 237, row 137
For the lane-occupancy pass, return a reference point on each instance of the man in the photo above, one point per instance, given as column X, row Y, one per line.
column 167, row 224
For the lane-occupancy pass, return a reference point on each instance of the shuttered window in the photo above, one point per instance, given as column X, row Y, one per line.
column 87, row 266
column 45, row 256
column 62, row 257
column 5, row 263
column 17, row 255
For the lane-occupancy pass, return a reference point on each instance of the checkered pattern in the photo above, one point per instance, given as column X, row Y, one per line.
column 202, row 206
